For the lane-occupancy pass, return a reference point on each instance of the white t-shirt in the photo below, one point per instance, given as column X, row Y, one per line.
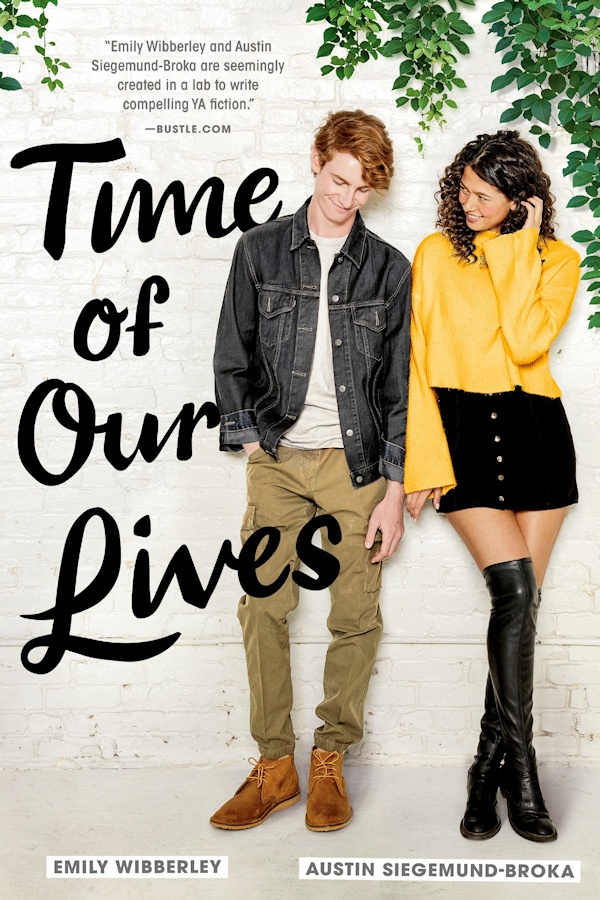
column 318, row 425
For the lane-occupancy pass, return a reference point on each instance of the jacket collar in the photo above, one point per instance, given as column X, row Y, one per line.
column 354, row 244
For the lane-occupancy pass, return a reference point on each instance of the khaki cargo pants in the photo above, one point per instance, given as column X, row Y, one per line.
column 287, row 494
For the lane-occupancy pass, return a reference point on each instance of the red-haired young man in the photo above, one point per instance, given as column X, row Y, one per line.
column 311, row 367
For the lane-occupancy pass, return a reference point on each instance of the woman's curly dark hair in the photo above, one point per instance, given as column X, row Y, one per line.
column 510, row 164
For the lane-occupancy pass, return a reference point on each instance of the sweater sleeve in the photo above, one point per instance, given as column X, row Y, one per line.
column 428, row 463
column 534, row 297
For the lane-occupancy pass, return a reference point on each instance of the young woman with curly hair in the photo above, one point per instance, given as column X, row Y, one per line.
column 487, row 434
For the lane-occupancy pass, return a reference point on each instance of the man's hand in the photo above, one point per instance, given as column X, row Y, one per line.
column 416, row 501
column 251, row 447
column 387, row 517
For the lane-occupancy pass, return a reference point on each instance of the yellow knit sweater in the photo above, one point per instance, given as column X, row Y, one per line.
column 483, row 327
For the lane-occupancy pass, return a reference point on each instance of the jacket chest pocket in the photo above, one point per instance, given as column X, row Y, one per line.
column 369, row 329
column 275, row 316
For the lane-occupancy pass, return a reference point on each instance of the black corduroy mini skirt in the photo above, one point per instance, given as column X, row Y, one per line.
column 511, row 450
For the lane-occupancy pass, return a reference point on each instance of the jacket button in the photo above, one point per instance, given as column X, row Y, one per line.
column 337, row 342
column 499, row 458
column 497, row 438
column 500, row 477
column 340, row 259
column 494, row 415
column 359, row 478
column 349, row 432
column 501, row 498
column 342, row 388
column 335, row 298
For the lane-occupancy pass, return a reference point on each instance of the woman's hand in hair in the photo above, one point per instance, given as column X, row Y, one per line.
column 535, row 208
column 416, row 501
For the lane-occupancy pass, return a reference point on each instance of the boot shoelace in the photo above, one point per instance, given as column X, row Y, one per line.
column 260, row 772
column 324, row 767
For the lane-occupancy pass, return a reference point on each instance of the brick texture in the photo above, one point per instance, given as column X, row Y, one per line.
column 189, row 705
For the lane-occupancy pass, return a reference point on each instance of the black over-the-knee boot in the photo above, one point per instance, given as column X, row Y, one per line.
column 511, row 640
column 481, row 819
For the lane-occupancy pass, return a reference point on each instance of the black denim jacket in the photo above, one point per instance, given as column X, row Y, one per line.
column 266, row 339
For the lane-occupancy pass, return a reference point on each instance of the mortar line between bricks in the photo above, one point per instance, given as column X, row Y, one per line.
column 389, row 641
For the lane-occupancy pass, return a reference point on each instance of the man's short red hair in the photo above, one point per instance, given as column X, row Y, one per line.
column 363, row 136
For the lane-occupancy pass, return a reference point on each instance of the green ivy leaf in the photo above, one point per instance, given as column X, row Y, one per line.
column 324, row 50
column 542, row 110
column 509, row 115
column 391, row 47
column 525, row 33
column 581, row 178
column 525, row 79
column 557, row 83
column 502, row 81
column 544, row 140
column 462, row 48
column 9, row 84
column 317, row 13
column 576, row 202
column 583, row 237
column 400, row 82
column 463, row 27
column 496, row 13
column 325, row 70
column 564, row 58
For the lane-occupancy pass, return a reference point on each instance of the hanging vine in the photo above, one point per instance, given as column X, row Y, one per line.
column 553, row 46
column 428, row 36
column 13, row 19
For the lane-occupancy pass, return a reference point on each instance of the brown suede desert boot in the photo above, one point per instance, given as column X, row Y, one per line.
column 271, row 785
column 327, row 806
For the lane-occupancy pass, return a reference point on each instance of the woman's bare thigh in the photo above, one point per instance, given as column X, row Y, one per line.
column 498, row 535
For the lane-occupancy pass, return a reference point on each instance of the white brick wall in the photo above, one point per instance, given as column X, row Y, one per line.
column 189, row 706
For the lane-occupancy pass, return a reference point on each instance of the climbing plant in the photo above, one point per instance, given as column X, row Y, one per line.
column 12, row 19
column 552, row 47
column 427, row 36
